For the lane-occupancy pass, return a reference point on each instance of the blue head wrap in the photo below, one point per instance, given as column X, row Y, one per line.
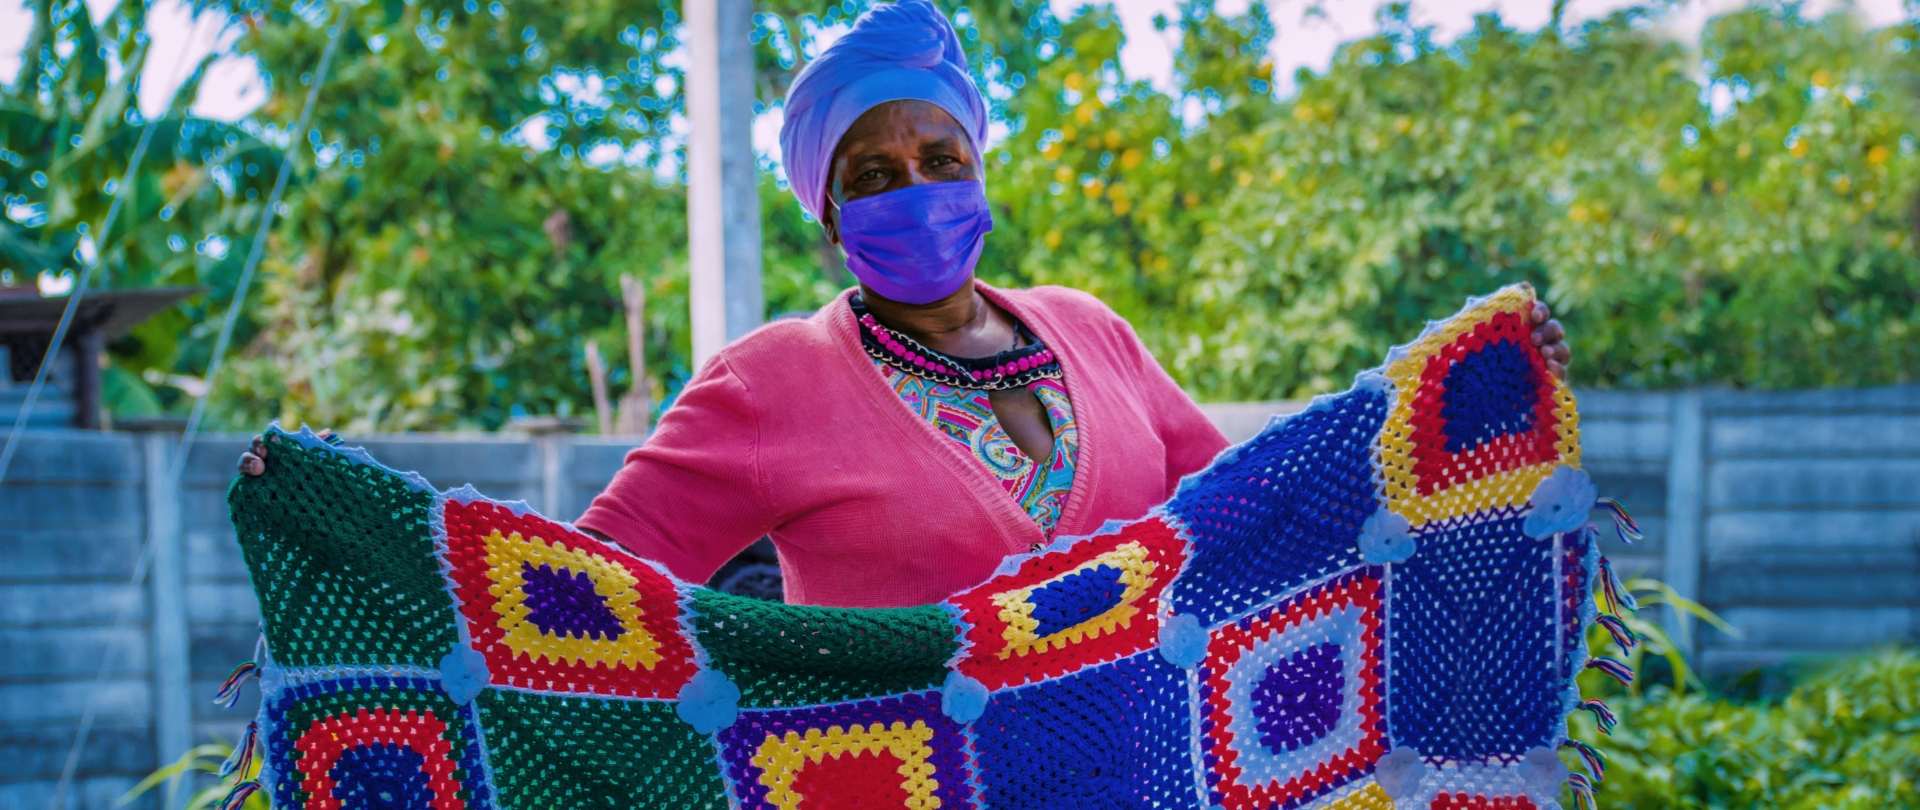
column 896, row 51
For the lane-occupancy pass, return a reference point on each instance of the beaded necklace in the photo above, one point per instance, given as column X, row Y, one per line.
column 1017, row 367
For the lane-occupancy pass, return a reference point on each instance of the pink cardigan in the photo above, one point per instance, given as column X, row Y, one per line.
column 790, row 432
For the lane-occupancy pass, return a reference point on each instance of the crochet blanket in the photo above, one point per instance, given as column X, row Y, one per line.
column 1379, row 602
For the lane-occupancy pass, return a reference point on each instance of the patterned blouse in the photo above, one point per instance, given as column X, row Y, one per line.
column 965, row 414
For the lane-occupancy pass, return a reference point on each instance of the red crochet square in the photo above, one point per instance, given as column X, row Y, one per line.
column 378, row 749
column 1436, row 466
column 1095, row 601
column 557, row 611
column 1292, row 699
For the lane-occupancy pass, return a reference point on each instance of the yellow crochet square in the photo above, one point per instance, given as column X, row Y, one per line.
column 1394, row 454
column 781, row 758
column 509, row 556
column 1016, row 608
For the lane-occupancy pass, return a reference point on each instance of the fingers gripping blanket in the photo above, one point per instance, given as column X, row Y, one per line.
column 1376, row 603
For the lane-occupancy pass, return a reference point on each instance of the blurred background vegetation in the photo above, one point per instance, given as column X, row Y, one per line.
column 1740, row 211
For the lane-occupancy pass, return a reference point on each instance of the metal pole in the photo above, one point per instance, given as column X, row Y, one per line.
column 723, row 203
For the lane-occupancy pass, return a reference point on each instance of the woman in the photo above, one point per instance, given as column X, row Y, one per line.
column 918, row 429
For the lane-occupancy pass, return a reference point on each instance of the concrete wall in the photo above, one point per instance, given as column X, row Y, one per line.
column 1795, row 515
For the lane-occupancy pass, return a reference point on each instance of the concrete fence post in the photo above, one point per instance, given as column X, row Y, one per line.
column 1686, row 511
column 166, row 593
column 553, row 443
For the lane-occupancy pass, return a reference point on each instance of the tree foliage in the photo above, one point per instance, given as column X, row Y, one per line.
column 70, row 127
column 1270, row 247
column 481, row 174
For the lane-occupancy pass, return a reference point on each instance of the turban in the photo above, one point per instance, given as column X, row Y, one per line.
column 902, row 50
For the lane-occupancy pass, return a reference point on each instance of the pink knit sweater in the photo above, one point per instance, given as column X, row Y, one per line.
column 790, row 432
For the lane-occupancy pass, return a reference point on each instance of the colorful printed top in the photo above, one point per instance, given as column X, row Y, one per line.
column 951, row 394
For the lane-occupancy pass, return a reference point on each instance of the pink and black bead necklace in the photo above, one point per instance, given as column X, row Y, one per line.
column 1014, row 368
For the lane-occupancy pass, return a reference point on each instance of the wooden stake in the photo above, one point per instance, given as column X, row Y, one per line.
column 634, row 406
column 597, row 373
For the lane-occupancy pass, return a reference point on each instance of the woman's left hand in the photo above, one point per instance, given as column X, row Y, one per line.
column 1552, row 340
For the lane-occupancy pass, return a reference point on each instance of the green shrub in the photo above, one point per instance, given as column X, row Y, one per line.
column 1843, row 738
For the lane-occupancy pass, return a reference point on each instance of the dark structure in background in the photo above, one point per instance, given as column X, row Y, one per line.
column 754, row 572
column 71, row 397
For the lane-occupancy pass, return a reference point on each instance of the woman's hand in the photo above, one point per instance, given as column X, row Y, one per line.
column 1552, row 340
column 254, row 461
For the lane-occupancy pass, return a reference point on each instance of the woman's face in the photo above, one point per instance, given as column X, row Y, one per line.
column 893, row 146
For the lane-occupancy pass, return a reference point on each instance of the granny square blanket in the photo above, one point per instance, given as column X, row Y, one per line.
column 1379, row 602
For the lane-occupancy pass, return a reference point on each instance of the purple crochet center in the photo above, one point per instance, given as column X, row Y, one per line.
column 563, row 603
column 741, row 741
column 1298, row 700
column 1208, row 726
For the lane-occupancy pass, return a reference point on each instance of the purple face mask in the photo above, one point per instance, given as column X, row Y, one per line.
column 919, row 244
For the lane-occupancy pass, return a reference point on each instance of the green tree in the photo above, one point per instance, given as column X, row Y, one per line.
column 70, row 127
column 481, row 178
column 1272, row 247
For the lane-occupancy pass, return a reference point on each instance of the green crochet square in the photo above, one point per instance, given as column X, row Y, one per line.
column 550, row 751
column 792, row 655
column 342, row 557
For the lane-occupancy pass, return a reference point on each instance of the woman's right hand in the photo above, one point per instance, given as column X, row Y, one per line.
column 254, row 461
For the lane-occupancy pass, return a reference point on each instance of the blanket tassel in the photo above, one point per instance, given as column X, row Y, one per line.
column 1601, row 714
column 1623, row 523
column 241, row 760
column 229, row 691
column 1622, row 636
column 237, row 798
column 1620, row 672
column 1596, row 764
column 1582, row 791
column 1617, row 597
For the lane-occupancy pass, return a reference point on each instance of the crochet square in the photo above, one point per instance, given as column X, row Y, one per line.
column 1061, row 610
column 1280, row 511
column 556, row 610
column 1115, row 736
column 1292, row 698
column 373, row 742
column 346, row 559
column 565, row 751
column 794, row 655
column 897, row 752
column 1477, row 420
column 1480, row 646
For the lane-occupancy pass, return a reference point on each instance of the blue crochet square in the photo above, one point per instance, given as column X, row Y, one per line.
column 1106, row 738
column 1476, row 666
column 1283, row 512
column 1489, row 394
